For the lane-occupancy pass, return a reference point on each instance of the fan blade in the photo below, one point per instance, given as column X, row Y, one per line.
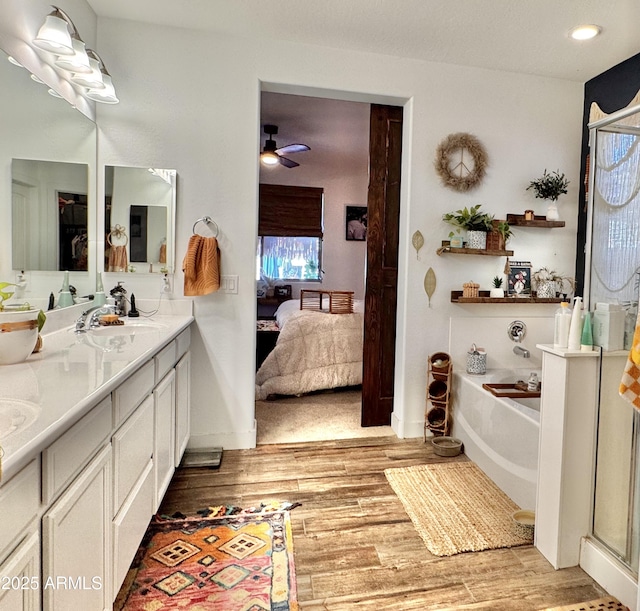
column 292, row 148
column 288, row 162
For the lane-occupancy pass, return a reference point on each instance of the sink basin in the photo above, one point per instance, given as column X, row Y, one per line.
column 129, row 328
column 16, row 415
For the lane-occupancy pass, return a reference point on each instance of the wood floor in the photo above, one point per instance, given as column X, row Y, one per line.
column 356, row 548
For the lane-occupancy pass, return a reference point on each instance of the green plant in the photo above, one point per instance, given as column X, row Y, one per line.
column 551, row 185
column 504, row 230
column 470, row 219
column 497, row 282
column 4, row 295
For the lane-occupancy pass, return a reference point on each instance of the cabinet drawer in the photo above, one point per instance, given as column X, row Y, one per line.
column 72, row 451
column 131, row 393
column 183, row 341
column 130, row 525
column 165, row 360
column 19, row 504
column 132, row 448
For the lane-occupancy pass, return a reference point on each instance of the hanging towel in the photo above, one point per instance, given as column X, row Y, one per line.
column 163, row 254
column 630, row 383
column 118, row 261
column 201, row 266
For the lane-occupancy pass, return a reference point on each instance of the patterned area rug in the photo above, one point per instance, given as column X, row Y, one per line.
column 225, row 559
column 456, row 508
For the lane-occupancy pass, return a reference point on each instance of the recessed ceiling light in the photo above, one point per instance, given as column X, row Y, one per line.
column 585, row 32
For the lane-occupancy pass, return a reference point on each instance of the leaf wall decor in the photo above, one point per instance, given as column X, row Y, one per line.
column 430, row 283
column 418, row 242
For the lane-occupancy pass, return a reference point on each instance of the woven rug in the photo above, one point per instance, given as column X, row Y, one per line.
column 456, row 508
column 225, row 558
column 601, row 604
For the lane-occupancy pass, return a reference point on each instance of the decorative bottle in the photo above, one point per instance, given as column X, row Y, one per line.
column 99, row 299
column 562, row 323
column 575, row 328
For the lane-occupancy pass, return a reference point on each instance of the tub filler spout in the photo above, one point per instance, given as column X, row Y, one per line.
column 520, row 351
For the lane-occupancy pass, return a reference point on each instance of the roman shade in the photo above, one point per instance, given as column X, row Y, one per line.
column 290, row 211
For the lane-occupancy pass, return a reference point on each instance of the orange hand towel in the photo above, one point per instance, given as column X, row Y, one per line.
column 201, row 266
column 118, row 259
column 630, row 383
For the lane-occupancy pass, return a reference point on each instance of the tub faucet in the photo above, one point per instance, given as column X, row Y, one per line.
column 520, row 351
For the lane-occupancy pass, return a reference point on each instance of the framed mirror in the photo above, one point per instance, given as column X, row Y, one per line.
column 48, row 150
column 139, row 219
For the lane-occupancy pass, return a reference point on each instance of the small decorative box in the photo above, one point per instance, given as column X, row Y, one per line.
column 470, row 289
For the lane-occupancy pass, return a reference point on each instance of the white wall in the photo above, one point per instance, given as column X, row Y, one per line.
column 190, row 100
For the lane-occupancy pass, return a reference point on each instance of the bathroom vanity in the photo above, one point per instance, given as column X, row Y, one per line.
column 92, row 429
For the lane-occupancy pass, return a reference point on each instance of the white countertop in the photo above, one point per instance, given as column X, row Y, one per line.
column 53, row 389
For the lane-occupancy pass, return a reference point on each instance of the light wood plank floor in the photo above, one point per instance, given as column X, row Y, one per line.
column 356, row 548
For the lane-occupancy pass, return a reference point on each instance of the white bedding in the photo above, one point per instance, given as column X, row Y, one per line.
column 314, row 351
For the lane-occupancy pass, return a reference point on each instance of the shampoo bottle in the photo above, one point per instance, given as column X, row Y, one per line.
column 562, row 324
column 575, row 328
column 586, row 340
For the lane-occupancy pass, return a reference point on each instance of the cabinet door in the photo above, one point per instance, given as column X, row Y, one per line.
column 76, row 542
column 20, row 577
column 183, row 405
column 164, row 434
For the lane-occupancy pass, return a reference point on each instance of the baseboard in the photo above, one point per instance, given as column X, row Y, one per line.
column 404, row 429
column 234, row 440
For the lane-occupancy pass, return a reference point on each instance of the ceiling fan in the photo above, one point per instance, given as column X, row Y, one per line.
column 272, row 155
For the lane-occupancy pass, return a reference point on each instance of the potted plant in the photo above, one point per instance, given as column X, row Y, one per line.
column 550, row 186
column 498, row 237
column 20, row 325
column 497, row 291
column 476, row 223
column 549, row 283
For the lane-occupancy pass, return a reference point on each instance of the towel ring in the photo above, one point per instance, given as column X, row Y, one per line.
column 207, row 220
column 118, row 232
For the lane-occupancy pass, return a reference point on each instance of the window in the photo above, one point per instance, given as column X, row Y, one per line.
column 290, row 233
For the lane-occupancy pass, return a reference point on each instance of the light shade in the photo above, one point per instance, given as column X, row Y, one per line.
column 585, row 32
column 93, row 79
column 54, row 36
column 269, row 158
column 78, row 62
column 106, row 95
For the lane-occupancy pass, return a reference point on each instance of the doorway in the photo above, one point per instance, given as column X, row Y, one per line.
column 379, row 134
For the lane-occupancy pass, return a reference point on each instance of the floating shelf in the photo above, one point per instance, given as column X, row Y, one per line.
column 446, row 247
column 483, row 297
column 518, row 220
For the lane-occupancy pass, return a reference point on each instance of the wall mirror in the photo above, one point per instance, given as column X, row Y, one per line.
column 139, row 219
column 39, row 126
column 49, row 215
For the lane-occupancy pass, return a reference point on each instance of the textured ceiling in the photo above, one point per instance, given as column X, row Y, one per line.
column 527, row 36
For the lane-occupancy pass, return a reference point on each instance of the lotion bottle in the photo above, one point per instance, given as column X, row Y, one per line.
column 575, row 328
column 586, row 339
column 562, row 324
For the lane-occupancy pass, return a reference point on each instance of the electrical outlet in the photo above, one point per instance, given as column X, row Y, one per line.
column 229, row 284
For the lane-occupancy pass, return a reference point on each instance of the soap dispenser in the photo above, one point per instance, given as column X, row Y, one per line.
column 65, row 297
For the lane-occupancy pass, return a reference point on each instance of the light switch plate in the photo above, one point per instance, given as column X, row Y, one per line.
column 229, row 284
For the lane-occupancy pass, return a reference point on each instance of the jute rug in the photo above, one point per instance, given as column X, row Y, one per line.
column 455, row 507
column 225, row 559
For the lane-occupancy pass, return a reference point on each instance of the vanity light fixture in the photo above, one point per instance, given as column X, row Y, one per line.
column 585, row 32
column 54, row 35
column 59, row 36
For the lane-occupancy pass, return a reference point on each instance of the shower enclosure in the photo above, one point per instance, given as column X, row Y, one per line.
column 613, row 272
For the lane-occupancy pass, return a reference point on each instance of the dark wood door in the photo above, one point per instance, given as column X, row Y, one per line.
column 383, row 223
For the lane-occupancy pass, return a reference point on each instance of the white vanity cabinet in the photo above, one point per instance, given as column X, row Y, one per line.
column 72, row 519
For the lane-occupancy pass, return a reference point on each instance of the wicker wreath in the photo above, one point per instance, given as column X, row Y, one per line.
column 455, row 173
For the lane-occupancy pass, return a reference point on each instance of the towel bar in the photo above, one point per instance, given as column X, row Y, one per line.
column 207, row 220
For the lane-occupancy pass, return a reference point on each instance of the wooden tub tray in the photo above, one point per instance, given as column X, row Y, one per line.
column 511, row 391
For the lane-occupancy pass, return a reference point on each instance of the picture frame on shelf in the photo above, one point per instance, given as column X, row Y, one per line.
column 282, row 291
column 519, row 279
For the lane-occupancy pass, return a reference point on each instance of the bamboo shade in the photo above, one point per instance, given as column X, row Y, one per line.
column 290, row 211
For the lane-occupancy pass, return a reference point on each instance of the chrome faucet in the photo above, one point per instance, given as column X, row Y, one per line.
column 89, row 318
column 520, row 351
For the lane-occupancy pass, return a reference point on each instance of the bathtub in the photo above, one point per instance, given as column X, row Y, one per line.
column 500, row 435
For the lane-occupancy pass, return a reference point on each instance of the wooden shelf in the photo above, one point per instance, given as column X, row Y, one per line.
column 456, row 297
column 446, row 247
column 518, row 220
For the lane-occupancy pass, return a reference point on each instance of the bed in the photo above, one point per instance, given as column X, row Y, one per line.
column 315, row 351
